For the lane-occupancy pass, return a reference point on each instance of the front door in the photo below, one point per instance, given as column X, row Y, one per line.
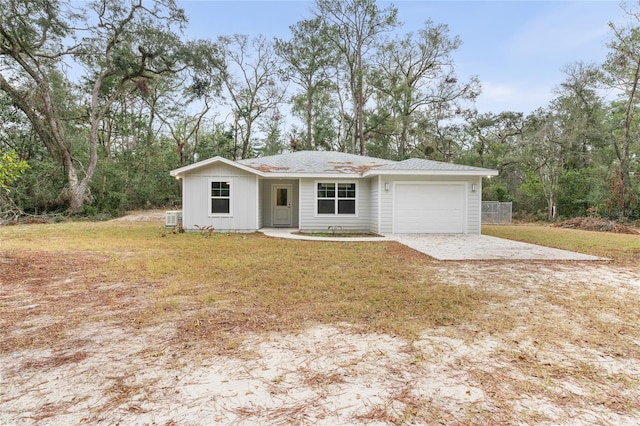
column 282, row 205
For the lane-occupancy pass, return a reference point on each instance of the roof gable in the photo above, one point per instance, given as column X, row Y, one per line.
column 204, row 163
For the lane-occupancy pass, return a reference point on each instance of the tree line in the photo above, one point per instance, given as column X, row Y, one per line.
column 98, row 101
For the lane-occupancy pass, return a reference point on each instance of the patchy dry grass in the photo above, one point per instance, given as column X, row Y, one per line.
column 131, row 320
column 234, row 282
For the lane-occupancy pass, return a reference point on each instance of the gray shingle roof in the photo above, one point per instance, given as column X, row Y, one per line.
column 323, row 163
column 315, row 162
column 419, row 164
column 330, row 162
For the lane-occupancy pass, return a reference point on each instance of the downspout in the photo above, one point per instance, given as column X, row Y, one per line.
column 258, row 205
column 379, row 225
column 480, row 203
column 299, row 203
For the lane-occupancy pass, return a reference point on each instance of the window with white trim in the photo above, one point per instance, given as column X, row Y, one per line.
column 220, row 197
column 336, row 198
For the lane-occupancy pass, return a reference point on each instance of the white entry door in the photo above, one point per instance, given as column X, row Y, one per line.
column 282, row 205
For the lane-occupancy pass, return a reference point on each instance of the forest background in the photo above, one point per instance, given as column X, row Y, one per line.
column 100, row 99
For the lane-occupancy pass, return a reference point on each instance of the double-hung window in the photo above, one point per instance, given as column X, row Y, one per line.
column 220, row 198
column 336, row 198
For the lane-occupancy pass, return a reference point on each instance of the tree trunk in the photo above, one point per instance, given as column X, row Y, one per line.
column 77, row 189
column 310, row 142
column 77, row 196
column 623, row 152
column 354, row 131
column 246, row 139
column 361, row 122
column 51, row 132
column 551, row 207
column 309, row 117
column 360, row 102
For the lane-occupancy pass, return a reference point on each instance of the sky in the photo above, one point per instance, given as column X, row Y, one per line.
column 516, row 48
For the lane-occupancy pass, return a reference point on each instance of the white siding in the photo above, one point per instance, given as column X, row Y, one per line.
column 311, row 222
column 473, row 200
column 196, row 193
column 374, row 216
column 252, row 204
column 259, row 212
column 386, row 206
column 474, row 207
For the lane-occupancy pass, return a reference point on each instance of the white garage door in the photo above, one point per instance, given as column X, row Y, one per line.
column 429, row 208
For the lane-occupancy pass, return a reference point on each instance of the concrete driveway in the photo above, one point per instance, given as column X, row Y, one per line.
column 483, row 247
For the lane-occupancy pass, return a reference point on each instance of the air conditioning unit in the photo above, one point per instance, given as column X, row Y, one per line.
column 173, row 218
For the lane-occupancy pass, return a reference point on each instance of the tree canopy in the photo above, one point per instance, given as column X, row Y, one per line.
column 99, row 100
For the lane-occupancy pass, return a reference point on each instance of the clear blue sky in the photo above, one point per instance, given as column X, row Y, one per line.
column 516, row 48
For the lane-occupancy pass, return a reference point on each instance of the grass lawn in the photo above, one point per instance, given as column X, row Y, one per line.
column 263, row 283
column 622, row 248
column 480, row 342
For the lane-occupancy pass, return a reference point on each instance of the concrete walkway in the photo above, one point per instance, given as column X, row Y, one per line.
column 293, row 235
column 453, row 247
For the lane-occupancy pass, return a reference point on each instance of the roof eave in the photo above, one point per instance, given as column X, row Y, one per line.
column 484, row 173
column 276, row 175
column 178, row 173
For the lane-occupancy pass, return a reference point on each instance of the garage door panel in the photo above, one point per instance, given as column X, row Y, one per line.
column 429, row 208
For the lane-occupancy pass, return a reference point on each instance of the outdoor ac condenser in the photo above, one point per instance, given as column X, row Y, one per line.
column 173, row 218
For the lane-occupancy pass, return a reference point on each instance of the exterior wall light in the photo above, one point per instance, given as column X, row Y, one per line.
column 386, row 186
column 473, row 187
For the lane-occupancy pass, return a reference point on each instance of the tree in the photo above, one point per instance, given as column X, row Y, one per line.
column 544, row 152
column 622, row 68
column 416, row 71
column 216, row 139
column 308, row 61
column 619, row 200
column 492, row 137
column 250, row 79
column 494, row 141
column 581, row 111
column 15, row 130
column 31, row 34
column 144, row 136
column 271, row 128
column 120, row 46
column 352, row 27
column 11, row 167
column 580, row 114
column 183, row 101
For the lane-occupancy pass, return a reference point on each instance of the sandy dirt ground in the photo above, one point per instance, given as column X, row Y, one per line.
column 99, row 368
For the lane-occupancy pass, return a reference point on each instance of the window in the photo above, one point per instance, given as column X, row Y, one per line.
column 220, row 201
column 336, row 198
column 326, row 198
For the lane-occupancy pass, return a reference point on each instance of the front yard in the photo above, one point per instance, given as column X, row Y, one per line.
column 126, row 322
